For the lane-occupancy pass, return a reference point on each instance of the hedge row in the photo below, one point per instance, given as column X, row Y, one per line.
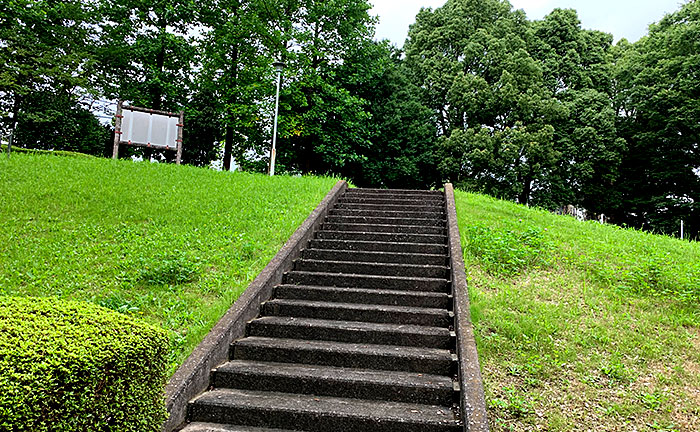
column 74, row 366
column 15, row 149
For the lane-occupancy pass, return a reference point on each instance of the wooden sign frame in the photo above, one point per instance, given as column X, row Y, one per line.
column 118, row 131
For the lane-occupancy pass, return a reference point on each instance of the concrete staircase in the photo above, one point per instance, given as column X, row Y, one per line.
column 359, row 335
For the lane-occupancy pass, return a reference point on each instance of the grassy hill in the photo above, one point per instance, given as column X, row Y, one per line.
column 174, row 245
column 581, row 326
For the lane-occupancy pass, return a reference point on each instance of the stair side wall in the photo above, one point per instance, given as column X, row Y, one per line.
column 472, row 402
column 192, row 377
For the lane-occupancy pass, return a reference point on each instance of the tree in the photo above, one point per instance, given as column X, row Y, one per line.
column 577, row 71
column 657, row 93
column 323, row 126
column 44, row 49
column 145, row 51
column 401, row 130
column 471, row 60
column 236, row 53
column 53, row 121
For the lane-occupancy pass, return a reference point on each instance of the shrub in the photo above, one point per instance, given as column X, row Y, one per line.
column 75, row 366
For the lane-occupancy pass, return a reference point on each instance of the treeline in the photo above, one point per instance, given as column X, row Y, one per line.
column 541, row 112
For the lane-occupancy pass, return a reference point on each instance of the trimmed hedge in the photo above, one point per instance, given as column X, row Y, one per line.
column 66, row 153
column 75, row 366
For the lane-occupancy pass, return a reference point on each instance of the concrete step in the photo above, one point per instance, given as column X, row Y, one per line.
column 423, row 207
column 314, row 413
column 407, row 229
column 426, row 199
column 350, row 332
column 382, row 237
column 339, row 354
column 214, row 427
column 370, row 268
column 395, row 192
column 366, row 281
column 390, row 214
column 358, row 312
column 379, row 246
column 389, row 201
column 331, row 381
column 364, row 295
column 375, row 257
column 363, row 220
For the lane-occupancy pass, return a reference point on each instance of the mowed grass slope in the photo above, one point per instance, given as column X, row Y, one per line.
column 174, row 245
column 581, row 326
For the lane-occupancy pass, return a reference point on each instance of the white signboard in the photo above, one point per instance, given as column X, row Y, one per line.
column 148, row 128
column 155, row 130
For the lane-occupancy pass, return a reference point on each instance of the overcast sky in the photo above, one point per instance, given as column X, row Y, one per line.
column 623, row 18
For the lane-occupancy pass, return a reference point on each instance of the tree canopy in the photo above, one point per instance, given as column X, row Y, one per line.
column 542, row 112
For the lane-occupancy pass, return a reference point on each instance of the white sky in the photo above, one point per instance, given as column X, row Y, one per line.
column 623, row 18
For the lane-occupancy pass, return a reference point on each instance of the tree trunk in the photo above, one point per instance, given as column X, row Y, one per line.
column 13, row 122
column 230, row 120
column 526, row 183
column 228, row 147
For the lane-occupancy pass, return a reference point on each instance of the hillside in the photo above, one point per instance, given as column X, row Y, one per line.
column 581, row 326
column 174, row 245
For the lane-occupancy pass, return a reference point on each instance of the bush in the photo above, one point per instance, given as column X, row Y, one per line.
column 75, row 366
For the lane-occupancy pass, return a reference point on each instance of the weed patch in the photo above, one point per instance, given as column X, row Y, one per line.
column 506, row 252
column 168, row 269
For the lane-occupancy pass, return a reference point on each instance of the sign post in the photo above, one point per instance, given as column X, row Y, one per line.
column 144, row 127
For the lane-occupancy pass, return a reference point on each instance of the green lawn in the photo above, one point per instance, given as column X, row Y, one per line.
column 581, row 326
column 174, row 245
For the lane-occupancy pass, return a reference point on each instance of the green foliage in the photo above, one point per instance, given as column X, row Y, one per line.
column 523, row 108
column 402, row 149
column 170, row 269
column 657, row 88
column 45, row 50
column 514, row 402
column 615, row 369
column 67, row 366
column 56, row 122
column 172, row 245
column 507, row 251
column 324, row 126
column 3, row 148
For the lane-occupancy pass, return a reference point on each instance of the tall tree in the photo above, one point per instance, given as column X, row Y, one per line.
column 44, row 48
column 493, row 112
column 658, row 89
column 577, row 71
column 401, row 130
column 236, row 56
column 323, row 127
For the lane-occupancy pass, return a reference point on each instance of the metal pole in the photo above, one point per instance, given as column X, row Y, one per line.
column 273, row 151
column 117, row 130
column 180, row 128
column 681, row 229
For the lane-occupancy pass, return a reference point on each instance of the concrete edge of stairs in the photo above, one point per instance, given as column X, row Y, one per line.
column 192, row 377
column 472, row 402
